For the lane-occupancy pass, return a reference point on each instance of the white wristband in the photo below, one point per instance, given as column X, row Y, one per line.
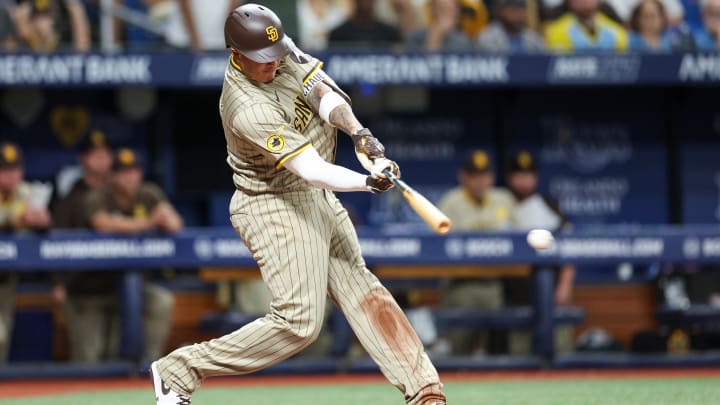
column 328, row 102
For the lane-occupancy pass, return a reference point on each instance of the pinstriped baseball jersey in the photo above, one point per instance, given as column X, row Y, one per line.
column 266, row 124
column 304, row 243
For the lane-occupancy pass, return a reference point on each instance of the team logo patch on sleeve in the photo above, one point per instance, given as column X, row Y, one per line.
column 275, row 143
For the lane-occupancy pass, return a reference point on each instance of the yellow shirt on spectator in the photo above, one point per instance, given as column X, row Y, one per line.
column 566, row 34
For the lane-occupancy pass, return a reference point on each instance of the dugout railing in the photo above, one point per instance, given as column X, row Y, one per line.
column 220, row 248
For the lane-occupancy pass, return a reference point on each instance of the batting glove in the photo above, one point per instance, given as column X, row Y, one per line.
column 367, row 147
column 380, row 165
column 378, row 185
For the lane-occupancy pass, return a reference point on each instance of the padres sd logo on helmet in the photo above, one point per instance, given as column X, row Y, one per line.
column 272, row 33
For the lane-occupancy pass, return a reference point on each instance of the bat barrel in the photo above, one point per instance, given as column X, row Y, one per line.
column 435, row 218
column 443, row 226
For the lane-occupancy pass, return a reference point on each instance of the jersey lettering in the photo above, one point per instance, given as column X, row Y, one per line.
column 303, row 113
column 315, row 77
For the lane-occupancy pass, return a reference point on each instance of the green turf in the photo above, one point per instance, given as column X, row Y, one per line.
column 696, row 391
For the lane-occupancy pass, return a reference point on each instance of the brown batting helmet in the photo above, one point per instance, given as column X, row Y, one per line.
column 256, row 32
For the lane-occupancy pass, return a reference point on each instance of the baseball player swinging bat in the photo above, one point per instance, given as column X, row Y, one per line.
column 281, row 114
column 435, row 218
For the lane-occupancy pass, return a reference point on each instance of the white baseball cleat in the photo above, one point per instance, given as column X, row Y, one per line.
column 164, row 395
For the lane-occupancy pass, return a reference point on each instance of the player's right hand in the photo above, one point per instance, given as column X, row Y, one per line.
column 378, row 185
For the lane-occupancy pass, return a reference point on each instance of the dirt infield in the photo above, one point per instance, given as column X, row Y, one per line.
column 31, row 388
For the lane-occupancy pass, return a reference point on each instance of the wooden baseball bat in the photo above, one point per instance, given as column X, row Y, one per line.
column 431, row 214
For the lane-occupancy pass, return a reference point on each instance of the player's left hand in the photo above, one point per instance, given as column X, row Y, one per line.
column 366, row 144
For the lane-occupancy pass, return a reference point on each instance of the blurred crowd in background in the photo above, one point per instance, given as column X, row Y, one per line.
column 519, row 26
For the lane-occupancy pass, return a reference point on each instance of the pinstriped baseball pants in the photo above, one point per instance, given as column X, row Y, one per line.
column 307, row 248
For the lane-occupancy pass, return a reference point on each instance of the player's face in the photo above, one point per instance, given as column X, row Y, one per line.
column 128, row 180
column 10, row 178
column 261, row 72
column 98, row 161
column 477, row 184
column 523, row 183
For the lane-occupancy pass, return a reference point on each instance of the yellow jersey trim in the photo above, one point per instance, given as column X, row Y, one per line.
column 292, row 154
column 234, row 64
column 312, row 73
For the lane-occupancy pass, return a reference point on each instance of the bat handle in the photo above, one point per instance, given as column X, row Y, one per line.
column 396, row 180
column 390, row 175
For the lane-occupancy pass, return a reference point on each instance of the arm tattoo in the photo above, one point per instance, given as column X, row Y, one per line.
column 316, row 94
column 341, row 117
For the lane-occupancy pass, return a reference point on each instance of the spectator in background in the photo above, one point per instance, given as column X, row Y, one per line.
column 407, row 15
column 20, row 210
column 509, row 32
column 473, row 17
column 554, row 9
column 194, row 24
column 316, row 18
column 363, row 30
column 79, row 292
column 534, row 210
column 47, row 26
column 674, row 10
column 585, row 28
column 443, row 32
column 95, row 159
column 651, row 32
column 8, row 39
column 126, row 205
column 708, row 38
column 475, row 205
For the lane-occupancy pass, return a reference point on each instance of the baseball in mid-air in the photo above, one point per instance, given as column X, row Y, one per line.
column 540, row 239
